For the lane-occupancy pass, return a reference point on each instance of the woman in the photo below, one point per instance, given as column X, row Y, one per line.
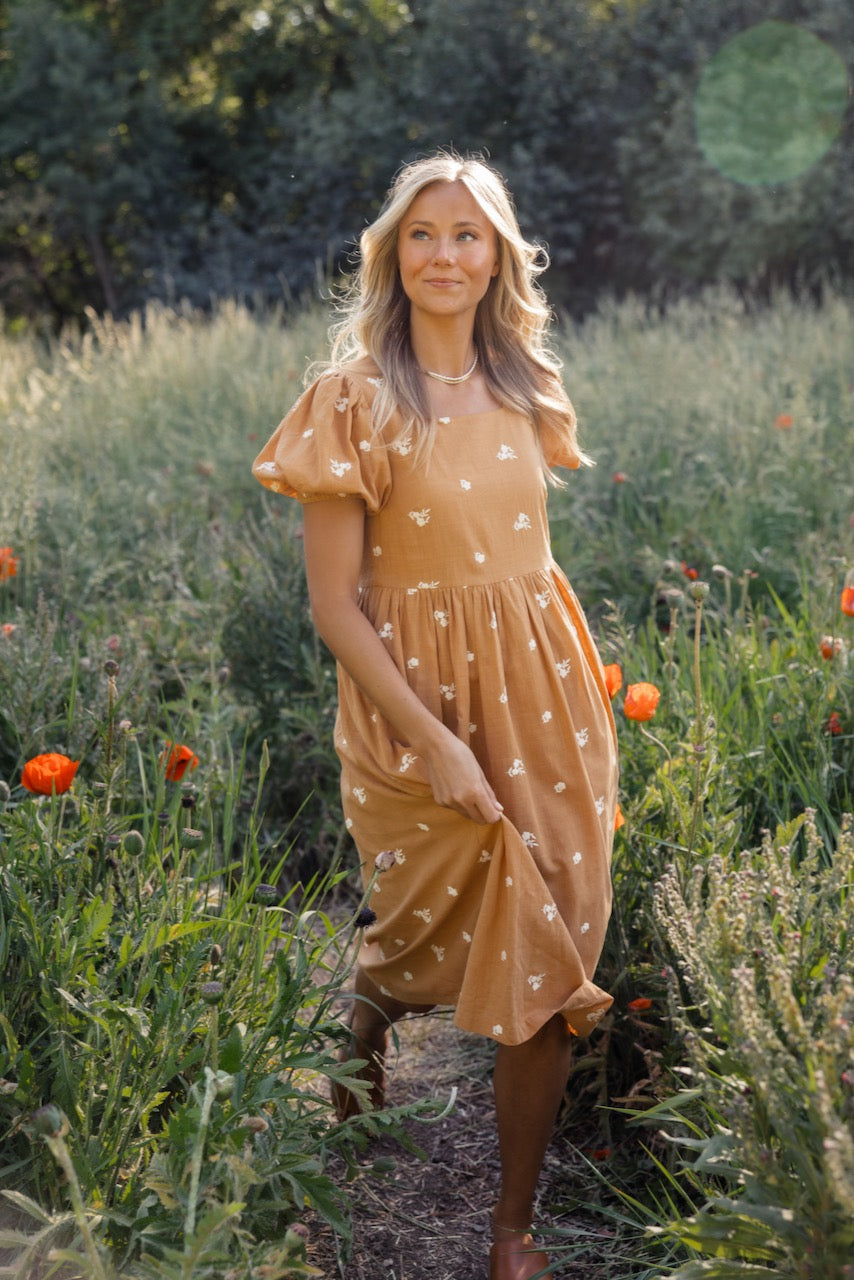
column 474, row 729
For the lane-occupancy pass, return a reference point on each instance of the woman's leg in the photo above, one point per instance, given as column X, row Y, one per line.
column 373, row 1013
column 529, row 1082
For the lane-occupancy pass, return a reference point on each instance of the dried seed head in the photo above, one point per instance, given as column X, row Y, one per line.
column 47, row 1122
column 698, row 591
column 111, row 668
column 385, row 861
column 212, row 992
column 364, row 918
column 191, row 838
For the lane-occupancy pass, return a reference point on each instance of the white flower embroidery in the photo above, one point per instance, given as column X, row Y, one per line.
column 465, row 484
column 360, row 794
column 582, row 737
column 479, row 557
column 532, row 644
column 308, row 433
column 502, row 697
column 339, row 468
column 549, row 910
column 425, row 914
column 421, row 517
column 503, row 955
column 377, row 551
column 399, row 856
column 266, row 469
column 516, row 769
column 444, row 421
column 406, row 761
column 428, row 586
column 412, row 663
column 400, row 942
column 493, row 622
column 600, row 805
column 466, row 936
column 469, row 657
column 448, row 691
column 563, row 667
column 547, row 715
column 386, row 992
column 596, row 1015
column 522, row 522
column 543, row 599
column 365, row 446
column 375, row 382
column 505, row 454
column 576, row 858
column 498, row 1030
column 508, row 882
column 585, row 927
column 485, row 855
column 530, row 839
column 386, row 631
column 341, row 404
column 452, row 892
column 407, row 976
column 559, row 787
column 438, row 952
column 422, row 826
column 402, row 447
column 535, row 980
column 348, row 823
column 441, row 617
column 472, row 728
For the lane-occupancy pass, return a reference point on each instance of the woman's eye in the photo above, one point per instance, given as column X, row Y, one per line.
column 467, row 235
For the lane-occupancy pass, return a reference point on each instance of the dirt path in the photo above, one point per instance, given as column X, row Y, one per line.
column 429, row 1219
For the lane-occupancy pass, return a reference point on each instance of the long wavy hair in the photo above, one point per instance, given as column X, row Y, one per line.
column 511, row 323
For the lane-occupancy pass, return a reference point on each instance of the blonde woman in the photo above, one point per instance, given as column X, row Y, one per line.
column 474, row 729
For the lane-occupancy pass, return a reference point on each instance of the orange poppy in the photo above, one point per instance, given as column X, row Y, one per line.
column 783, row 421
column 638, row 1005
column 619, row 820
column 8, row 563
column 834, row 724
column 8, row 628
column 619, row 477
column 176, row 759
column 641, row 701
column 830, row 647
column 689, row 571
column 613, row 678
column 49, row 774
column 846, row 601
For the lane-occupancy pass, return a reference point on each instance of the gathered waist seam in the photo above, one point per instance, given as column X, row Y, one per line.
column 417, row 588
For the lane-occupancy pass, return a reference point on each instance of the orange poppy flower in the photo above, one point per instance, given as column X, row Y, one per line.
column 689, row 571
column 619, row 820
column 641, row 701
column 8, row 628
column 176, row 759
column 846, row 601
column 783, row 421
column 8, row 563
column 833, row 724
column 613, row 678
column 638, row 1005
column 619, row 477
column 49, row 774
column 830, row 647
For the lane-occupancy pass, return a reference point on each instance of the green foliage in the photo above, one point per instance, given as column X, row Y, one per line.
column 763, row 939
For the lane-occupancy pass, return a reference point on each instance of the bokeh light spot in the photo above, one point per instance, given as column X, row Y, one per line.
column 770, row 103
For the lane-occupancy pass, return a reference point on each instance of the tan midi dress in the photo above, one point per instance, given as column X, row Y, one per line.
column 504, row 921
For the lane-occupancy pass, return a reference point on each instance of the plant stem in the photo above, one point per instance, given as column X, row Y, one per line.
column 698, row 744
column 61, row 1155
column 196, row 1160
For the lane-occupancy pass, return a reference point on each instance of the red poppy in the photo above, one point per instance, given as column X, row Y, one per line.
column 176, row 759
column 846, row 601
column 638, row 1005
column 619, row 477
column 598, row 1153
column 613, row 678
column 689, row 571
column 830, row 647
column 7, row 628
column 834, row 724
column 783, row 421
column 641, row 701
column 49, row 774
column 8, row 563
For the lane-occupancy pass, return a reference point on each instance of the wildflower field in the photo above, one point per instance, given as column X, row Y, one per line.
column 177, row 900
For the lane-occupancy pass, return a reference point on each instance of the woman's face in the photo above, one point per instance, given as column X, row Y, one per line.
column 447, row 251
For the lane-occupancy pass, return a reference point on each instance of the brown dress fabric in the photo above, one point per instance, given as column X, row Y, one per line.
column 504, row 921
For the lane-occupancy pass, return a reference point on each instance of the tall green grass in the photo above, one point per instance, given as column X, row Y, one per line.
column 723, row 444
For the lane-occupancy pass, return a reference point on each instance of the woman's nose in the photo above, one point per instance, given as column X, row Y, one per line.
column 444, row 251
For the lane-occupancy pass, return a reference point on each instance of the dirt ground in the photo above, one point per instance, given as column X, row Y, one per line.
column 429, row 1219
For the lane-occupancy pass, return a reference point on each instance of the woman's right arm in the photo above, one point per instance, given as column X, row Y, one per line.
column 334, row 537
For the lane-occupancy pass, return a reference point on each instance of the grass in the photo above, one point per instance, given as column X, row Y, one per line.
column 140, row 540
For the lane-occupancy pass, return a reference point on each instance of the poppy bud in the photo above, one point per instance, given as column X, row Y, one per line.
column 212, row 992
column 5, row 792
column 47, row 1122
column 191, row 838
column 256, row 1124
column 266, row 893
column 215, row 956
column 385, row 861
column 698, row 591
column 111, row 667
column 364, row 918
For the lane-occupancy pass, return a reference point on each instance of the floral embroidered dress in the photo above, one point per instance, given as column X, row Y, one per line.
column 504, row 921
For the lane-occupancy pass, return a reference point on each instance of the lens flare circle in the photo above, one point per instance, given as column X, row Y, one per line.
column 770, row 103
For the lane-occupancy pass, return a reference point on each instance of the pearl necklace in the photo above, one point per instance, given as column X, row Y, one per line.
column 443, row 377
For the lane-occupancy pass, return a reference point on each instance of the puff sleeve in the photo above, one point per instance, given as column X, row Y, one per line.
column 323, row 448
